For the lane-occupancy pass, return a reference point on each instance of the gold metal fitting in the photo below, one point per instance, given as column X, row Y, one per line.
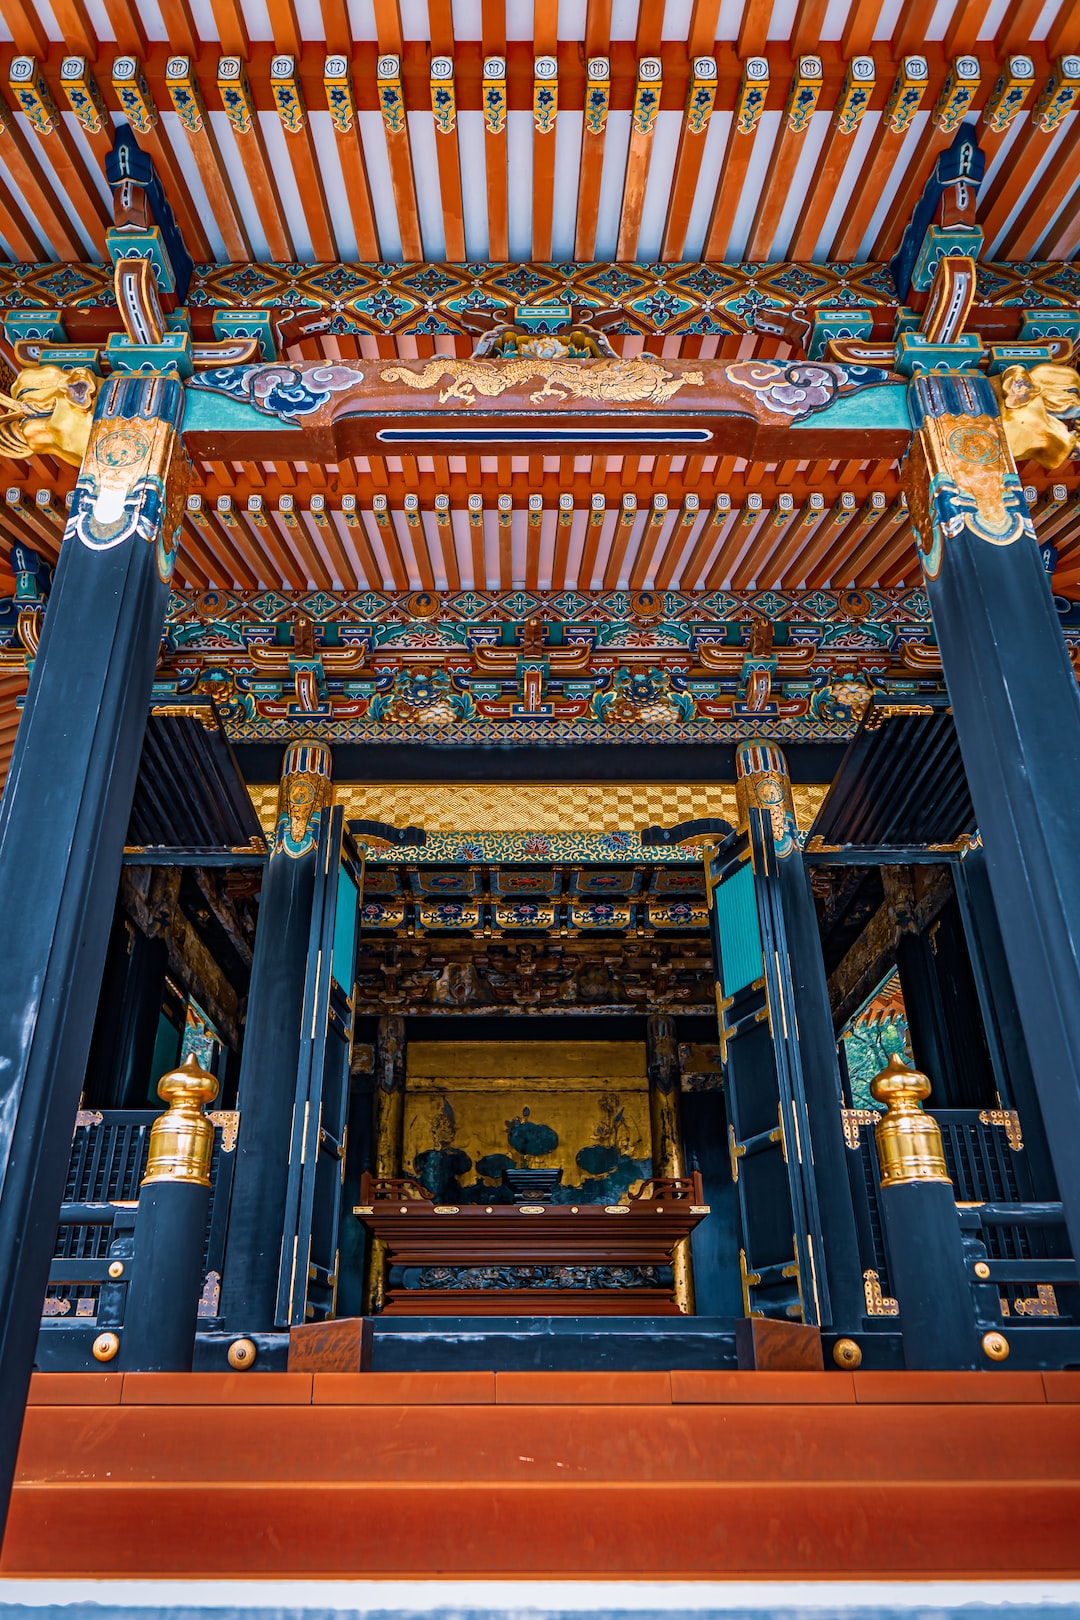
column 996, row 1346
column 846, row 1353
column 116, row 1269
column 182, row 1140
column 241, row 1355
column 908, row 1140
column 105, row 1346
column 982, row 1270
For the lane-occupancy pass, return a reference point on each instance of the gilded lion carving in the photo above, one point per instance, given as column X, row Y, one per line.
column 48, row 413
column 1037, row 410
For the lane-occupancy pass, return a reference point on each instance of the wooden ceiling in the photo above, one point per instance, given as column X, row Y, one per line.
column 288, row 162
column 662, row 174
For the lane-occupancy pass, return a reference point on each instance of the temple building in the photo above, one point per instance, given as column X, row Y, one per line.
column 540, row 830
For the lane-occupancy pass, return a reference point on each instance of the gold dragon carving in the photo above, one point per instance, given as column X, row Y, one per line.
column 48, row 413
column 641, row 380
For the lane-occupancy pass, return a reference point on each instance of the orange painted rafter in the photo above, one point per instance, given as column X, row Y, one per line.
column 231, row 28
column 688, row 574
column 284, row 28
column 754, row 566
column 860, row 27
column 635, row 178
column 73, row 20
column 802, row 561
column 877, row 169
column 831, row 164
column 590, row 169
column 245, row 570
column 447, row 151
column 645, row 555
column 783, row 161
column 399, row 149
column 593, row 535
column 263, row 540
column 180, row 29
column 677, row 541
column 325, row 525
column 308, row 181
column 26, row 27
column 1040, row 214
column 684, row 182
column 733, row 171
column 195, row 553
column 227, row 213
column 864, row 530
column 79, row 194
column 264, row 190
column 16, row 229
column 1014, row 177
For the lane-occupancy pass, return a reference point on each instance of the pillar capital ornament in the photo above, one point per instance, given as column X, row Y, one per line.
column 134, row 475
column 306, row 791
column 762, row 783
column 959, row 472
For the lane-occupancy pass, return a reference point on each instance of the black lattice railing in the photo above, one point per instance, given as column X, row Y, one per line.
column 108, row 1159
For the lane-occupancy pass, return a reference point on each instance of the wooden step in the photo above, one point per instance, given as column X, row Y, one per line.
column 531, row 1475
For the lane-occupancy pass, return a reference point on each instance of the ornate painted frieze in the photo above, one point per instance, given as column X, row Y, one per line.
column 432, row 299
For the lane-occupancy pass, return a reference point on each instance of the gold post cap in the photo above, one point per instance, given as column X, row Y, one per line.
column 908, row 1139
column 182, row 1139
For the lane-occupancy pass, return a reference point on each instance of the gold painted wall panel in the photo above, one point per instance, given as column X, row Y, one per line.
column 595, row 807
column 589, row 1118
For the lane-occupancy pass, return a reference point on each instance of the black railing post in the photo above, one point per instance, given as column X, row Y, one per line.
column 162, row 1307
column 927, row 1267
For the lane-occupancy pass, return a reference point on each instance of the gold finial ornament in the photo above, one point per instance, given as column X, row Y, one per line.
column 242, row 1354
column 105, row 1347
column 182, row 1139
column 908, row 1140
column 846, row 1354
column 996, row 1346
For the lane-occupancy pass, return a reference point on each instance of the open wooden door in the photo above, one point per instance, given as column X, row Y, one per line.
column 307, row 1284
column 781, row 1259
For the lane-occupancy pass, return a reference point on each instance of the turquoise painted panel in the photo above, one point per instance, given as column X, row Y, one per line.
column 345, row 931
column 740, row 932
column 881, row 407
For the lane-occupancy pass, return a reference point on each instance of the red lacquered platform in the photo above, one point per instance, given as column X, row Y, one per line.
column 637, row 1475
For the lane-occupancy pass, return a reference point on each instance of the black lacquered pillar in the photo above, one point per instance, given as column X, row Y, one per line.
column 763, row 783
column 1017, row 713
column 63, row 820
column 665, row 1119
column 272, row 1037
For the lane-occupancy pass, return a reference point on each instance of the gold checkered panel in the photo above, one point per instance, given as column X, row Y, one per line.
column 596, row 807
